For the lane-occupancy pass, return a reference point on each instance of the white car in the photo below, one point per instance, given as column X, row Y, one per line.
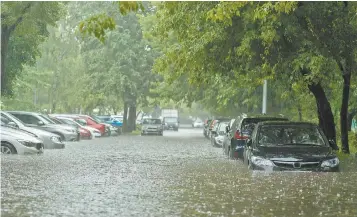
column 198, row 123
column 18, row 142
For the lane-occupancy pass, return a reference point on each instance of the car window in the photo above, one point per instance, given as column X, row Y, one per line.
column 290, row 135
column 81, row 122
column 46, row 120
column 27, row 119
column 152, row 121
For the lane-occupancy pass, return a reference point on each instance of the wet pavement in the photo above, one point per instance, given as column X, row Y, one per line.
column 178, row 174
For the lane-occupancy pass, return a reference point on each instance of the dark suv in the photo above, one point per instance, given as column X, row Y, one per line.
column 240, row 131
column 290, row 146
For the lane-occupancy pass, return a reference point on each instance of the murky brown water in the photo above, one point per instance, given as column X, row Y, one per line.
column 175, row 175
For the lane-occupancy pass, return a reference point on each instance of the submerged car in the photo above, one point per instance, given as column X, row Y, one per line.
column 240, row 130
column 40, row 121
column 217, row 134
column 50, row 140
column 290, row 146
column 152, row 126
column 15, row 141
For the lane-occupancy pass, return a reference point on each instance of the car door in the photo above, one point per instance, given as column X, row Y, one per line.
column 248, row 149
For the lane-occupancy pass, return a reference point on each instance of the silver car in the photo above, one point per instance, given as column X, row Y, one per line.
column 40, row 121
column 152, row 126
column 18, row 142
column 50, row 140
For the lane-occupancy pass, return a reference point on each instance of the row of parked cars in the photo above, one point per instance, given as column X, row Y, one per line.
column 273, row 143
column 30, row 132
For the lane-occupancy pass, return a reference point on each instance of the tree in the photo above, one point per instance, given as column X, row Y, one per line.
column 23, row 28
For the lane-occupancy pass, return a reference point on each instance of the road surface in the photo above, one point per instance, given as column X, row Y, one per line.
column 178, row 174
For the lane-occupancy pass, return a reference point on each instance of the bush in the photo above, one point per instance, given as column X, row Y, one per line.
column 352, row 139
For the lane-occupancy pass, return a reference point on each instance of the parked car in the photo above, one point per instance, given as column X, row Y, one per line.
column 214, row 132
column 289, row 146
column 40, row 121
column 213, row 122
column 114, row 124
column 95, row 132
column 85, row 133
column 88, row 122
column 219, row 134
column 102, row 127
column 240, row 131
column 171, row 123
column 152, row 126
column 50, row 140
column 198, row 123
column 14, row 141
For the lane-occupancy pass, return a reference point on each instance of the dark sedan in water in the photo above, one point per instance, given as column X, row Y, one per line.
column 289, row 146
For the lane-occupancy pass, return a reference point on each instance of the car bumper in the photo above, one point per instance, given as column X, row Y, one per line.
column 71, row 136
column 30, row 150
column 146, row 132
column 281, row 169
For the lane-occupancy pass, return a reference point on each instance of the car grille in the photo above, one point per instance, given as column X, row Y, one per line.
column 297, row 165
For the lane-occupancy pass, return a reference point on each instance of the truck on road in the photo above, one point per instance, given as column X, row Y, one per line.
column 170, row 118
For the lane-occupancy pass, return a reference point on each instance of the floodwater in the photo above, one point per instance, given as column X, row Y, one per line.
column 178, row 174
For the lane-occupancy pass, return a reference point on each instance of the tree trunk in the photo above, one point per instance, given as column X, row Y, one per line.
column 326, row 121
column 344, row 112
column 5, row 36
column 125, row 120
column 300, row 112
column 132, row 118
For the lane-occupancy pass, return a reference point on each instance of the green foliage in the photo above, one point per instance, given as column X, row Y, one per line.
column 23, row 28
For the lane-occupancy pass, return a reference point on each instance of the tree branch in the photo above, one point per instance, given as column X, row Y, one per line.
column 19, row 20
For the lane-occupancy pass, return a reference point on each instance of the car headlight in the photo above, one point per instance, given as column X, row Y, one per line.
column 330, row 163
column 55, row 139
column 26, row 143
column 261, row 161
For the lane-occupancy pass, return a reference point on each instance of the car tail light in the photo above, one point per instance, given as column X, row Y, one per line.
column 237, row 135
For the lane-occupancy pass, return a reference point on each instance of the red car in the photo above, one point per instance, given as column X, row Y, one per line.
column 91, row 122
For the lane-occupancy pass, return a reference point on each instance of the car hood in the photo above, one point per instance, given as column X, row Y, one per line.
column 18, row 134
column 39, row 132
column 152, row 125
column 90, row 128
column 54, row 126
column 293, row 153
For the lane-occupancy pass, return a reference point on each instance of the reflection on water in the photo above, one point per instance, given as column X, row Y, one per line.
column 219, row 189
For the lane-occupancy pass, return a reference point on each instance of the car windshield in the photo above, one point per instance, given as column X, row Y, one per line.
column 96, row 119
column 170, row 120
column 249, row 124
column 46, row 119
column 290, row 135
column 152, row 121
column 104, row 118
column 81, row 122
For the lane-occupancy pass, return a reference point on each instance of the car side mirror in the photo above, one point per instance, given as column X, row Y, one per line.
column 12, row 124
column 40, row 123
column 249, row 142
column 333, row 145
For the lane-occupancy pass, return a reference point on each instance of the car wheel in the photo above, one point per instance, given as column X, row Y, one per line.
column 7, row 148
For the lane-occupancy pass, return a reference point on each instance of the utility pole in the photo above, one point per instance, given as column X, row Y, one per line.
column 265, row 90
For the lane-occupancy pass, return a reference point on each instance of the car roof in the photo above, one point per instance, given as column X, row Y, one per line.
column 254, row 115
column 23, row 112
column 279, row 123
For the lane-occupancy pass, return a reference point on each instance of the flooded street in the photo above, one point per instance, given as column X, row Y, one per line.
column 178, row 174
